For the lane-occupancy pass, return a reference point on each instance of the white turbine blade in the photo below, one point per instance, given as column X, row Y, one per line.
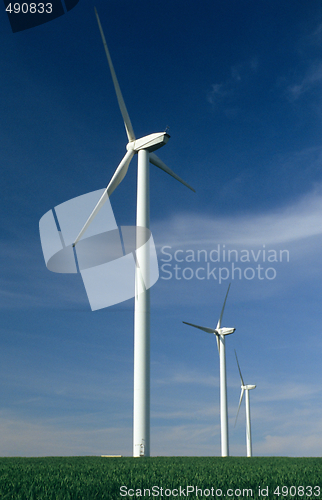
column 118, row 176
column 223, row 308
column 203, row 328
column 240, row 400
column 120, row 172
column 159, row 163
column 218, row 344
column 241, row 377
column 125, row 115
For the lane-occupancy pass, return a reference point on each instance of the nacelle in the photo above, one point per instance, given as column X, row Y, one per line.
column 225, row 331
column 150, row 142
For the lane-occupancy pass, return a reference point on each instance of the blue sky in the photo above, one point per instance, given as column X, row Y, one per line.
column 239, row 85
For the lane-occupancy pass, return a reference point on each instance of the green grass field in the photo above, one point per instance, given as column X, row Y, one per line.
column 91, row 478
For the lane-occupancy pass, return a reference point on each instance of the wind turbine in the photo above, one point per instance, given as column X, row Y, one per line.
column 220, row 333
column 246, row 389
column 144, row 147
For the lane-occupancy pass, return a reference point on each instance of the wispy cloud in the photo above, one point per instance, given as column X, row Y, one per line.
column 309, row 68
column 312, row 80
column 315, row 38
column 227, row 92
column 288, row 391
column 44, row 437
column 218, row 92
column 186, row 440
column 291, row 445
column 187, row 377
column 300, row 220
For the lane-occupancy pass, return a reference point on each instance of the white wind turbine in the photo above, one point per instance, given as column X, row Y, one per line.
column 220, row 333
column 144, row 147
column 246, row 389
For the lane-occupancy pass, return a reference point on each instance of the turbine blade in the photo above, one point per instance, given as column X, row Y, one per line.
column 118, row 176
column 159, row 163
column 241, row 377
column 203, row 328
column 120, row 172
column 240, row 400
column 125, row 115
column 223, row 308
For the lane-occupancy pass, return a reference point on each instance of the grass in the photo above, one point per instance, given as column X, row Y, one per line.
column 91, row 478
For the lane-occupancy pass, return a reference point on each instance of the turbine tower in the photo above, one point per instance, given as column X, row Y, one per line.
column 246, row 389
column 144, row 147
column 220, row 333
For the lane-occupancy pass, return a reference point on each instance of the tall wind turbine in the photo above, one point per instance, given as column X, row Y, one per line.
column 246, row 389
column 220, row 333
column 144, row 147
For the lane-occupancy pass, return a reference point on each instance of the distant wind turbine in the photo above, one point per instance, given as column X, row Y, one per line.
column 220, row 337
column 246, row 389
column 144, row 147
